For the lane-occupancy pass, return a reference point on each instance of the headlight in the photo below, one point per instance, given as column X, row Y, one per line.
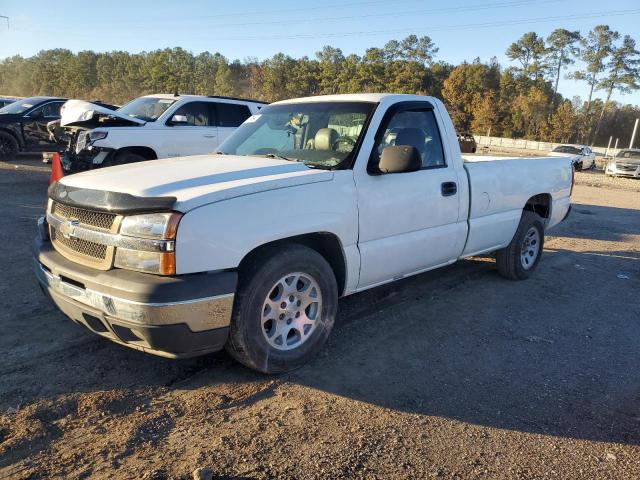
column 162, row 263
column 152, row 225
column 93, row 135
column 155, row 226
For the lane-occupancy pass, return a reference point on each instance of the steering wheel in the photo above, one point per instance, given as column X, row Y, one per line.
column 340, row 140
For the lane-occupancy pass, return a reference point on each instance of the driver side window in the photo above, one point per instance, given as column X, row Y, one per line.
column 49, row 110
column 418, row 129
column 197, row 114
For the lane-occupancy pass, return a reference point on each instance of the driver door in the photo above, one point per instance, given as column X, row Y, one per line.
column 196, row 134
column 408, row 222
column 34, row 125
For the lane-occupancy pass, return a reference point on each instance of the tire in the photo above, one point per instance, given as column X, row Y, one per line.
column 593, row 166
column 295, row 333
column 512, row 261
column 122, row 158
column 8, row 146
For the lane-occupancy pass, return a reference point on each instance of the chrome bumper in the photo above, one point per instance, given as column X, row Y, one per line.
column 175, row 317
column 199, row 314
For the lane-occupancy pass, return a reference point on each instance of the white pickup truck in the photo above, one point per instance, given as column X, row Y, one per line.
column 149, row 127
column 309, row 200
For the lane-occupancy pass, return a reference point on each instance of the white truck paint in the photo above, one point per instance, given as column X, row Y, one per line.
column 387, row 225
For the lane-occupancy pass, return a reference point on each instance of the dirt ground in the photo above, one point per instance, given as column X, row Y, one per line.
column 456, row 373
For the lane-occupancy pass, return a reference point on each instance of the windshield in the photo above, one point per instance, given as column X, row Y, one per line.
column 146, row 108
column 319, row 134
column 21, row 106
column 567, row 149
column 630, row 156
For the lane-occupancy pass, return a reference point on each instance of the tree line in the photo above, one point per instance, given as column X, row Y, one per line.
column 520, row 100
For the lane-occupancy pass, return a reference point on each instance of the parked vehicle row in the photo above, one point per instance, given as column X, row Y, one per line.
column 309, row 200
column 147, row 128
column 23, row 125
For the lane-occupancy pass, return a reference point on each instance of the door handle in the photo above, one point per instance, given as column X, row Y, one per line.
column 448, row 189
column 209, row 136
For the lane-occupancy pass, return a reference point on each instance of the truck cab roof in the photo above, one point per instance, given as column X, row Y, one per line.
column 360, row 97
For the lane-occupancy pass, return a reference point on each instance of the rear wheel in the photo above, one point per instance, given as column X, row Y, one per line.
column 520, row 258
column 284, row 310
column 8, row 146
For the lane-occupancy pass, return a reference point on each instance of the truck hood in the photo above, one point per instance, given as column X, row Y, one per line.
column 198, row 180
column 78, row 113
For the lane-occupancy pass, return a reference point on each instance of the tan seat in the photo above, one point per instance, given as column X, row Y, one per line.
column 325, row 139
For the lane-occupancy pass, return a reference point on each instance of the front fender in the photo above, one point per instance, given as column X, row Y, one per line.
column 219, row 235
column 124, row 137
column 15, row 132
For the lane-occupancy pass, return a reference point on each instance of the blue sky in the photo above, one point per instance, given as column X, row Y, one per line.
column 462, row 29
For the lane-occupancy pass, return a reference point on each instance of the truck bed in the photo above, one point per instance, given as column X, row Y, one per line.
column 498, row 186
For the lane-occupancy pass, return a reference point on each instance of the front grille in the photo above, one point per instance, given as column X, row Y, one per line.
column 81, row 251
column 81, row 247
column 627, row 168
column 101, row 220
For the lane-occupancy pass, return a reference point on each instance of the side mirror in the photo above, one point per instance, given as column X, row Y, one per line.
column 400, row 159
column 38, row 114
column 179, row 120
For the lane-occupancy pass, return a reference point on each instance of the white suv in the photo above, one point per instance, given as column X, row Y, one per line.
column 149, row 127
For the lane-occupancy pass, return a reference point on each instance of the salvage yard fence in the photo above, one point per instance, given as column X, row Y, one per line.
column 522, row 144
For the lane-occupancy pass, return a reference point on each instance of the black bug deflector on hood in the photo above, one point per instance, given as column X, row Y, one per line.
column 114, row 202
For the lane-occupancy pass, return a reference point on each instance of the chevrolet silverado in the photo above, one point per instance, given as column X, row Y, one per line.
column 309, row 200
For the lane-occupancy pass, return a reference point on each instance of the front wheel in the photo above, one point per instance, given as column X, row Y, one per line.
column 520, row 258
column 284, row 310
column 8, row 146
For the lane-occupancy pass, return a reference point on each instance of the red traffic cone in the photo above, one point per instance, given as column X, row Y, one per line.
column 56, row 168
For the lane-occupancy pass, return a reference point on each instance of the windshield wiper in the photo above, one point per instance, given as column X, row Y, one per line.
column 281, row 157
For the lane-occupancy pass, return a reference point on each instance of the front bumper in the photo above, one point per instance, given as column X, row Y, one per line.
column 175, row 317
column 87, row 159
column 612, row 169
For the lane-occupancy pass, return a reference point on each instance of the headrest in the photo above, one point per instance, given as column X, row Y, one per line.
column 325, row 138
column 411, row 136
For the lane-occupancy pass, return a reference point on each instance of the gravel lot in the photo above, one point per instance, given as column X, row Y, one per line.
column 456, row 373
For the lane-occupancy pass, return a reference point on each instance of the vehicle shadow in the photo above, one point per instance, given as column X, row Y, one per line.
column 524, row 356
column 554, row 355
column 594, row 222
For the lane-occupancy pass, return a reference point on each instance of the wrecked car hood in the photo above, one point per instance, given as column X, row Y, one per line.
column 77, row 113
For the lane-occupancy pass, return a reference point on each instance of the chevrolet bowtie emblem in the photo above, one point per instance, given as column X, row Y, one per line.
column 68, row 229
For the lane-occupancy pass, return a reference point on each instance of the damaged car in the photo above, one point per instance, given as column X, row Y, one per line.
column 23, row 125
column 147, row 128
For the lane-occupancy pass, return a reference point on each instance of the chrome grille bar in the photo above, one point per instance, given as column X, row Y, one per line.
column 69, row 229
